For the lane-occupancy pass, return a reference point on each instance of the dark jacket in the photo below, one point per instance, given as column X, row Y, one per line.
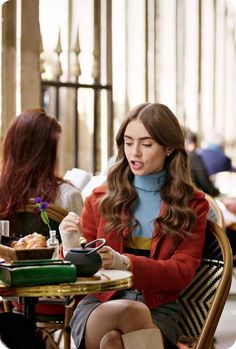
column 199, row 174
column 215, row 161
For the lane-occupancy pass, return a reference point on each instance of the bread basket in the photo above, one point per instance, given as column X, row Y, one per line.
column 10, row 254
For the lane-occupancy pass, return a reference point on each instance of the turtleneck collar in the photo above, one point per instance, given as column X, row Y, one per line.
column 150, row 182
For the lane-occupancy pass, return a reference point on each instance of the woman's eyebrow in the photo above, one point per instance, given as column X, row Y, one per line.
column 141, row 138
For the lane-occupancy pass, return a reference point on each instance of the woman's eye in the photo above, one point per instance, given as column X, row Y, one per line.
column 128, row 143
column 147, row 144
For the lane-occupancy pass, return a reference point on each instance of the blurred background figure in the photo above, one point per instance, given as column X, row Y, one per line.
column 16, row 332
column 29, row 169
column 197, row 167
column 213, row 154
column 30, row 165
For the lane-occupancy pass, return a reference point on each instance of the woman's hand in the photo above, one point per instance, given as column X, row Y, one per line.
column 107, row 256
column 113, row 260
column 70, row 232
column 70, row 223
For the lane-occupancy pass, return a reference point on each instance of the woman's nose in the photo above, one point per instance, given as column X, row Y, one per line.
column 136, row 150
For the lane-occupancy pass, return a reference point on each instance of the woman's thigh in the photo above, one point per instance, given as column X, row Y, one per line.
column 122, row 315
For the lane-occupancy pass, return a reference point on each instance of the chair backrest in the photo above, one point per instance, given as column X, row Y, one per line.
column 204, row 299
column 215, row 214
column 27, row 220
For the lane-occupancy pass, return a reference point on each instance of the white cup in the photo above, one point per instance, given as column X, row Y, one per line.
column 4, row 228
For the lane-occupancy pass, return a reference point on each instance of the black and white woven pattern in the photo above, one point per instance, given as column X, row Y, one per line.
column 197, row 298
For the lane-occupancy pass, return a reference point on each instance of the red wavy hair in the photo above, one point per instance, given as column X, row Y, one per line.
column 29, row 160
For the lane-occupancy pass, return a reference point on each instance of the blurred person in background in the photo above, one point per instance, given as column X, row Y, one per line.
column 197, row 167
column 17, row 332
column 30, row 164
column 29, row 169
column 213, row 154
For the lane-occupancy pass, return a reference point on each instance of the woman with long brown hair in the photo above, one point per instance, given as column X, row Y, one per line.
column 153, row 220
column 29, row 165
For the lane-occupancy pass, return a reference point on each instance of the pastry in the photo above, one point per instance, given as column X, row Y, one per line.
column 30, row 241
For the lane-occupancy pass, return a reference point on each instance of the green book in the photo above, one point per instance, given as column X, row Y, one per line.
column 31, row 273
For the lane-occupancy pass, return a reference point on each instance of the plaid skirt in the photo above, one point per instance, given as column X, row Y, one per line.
column 166, row 317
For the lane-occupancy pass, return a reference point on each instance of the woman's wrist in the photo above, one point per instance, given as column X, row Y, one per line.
column 120, row 261
column 69, row 240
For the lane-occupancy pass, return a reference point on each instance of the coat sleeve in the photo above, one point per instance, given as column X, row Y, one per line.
column 176, row 271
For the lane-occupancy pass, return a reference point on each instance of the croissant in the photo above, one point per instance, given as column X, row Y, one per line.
column 34, row 240
column 19, row 245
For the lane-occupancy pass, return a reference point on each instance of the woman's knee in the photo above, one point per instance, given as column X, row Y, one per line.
column 136, row 313
column 123, row 315
column 111, row 340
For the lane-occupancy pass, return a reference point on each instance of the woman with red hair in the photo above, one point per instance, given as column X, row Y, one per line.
column 29, row 165
column 29, row 170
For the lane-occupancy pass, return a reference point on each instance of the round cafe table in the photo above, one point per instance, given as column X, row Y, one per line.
column 103, row 280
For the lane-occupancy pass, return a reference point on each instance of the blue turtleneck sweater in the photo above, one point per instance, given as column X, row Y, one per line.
column 147, row 209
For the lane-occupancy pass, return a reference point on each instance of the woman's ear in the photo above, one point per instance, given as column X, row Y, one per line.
column 169, row 151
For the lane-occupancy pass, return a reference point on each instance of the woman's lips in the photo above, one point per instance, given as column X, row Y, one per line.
column 136, row 165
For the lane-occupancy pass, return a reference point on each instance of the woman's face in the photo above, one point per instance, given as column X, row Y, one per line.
column 143, row 153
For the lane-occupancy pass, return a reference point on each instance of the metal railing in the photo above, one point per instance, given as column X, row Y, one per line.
column 76, row 87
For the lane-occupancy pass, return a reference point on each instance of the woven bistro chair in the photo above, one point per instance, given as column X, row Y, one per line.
column 52, row 314
column 215, row 214
column 204, row 299
column 27, row 220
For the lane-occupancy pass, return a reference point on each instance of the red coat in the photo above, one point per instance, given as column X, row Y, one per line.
column 162, row 276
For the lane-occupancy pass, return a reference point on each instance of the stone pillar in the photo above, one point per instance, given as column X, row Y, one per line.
column 110, row 130
column 207, row 65
column 8, row 64
column 30, row 54
column 20, row 83
column 97, row 79
column 191, row 67
column 220, row 64
column 166, row 53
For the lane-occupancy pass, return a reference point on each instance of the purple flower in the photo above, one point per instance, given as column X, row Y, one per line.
column 40, row 206
column 44, row 205
column 38, row 199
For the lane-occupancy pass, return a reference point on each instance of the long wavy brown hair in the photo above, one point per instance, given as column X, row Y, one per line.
column 29, row 160
column 117, row 205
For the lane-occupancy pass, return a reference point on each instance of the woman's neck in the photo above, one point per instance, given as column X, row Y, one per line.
column 150, row 182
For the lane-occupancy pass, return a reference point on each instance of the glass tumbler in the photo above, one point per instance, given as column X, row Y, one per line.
column 4, row 228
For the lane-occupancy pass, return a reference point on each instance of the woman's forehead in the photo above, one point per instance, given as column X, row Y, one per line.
column 136, row 128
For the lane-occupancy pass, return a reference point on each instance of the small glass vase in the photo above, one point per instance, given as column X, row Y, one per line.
column 53, row 242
